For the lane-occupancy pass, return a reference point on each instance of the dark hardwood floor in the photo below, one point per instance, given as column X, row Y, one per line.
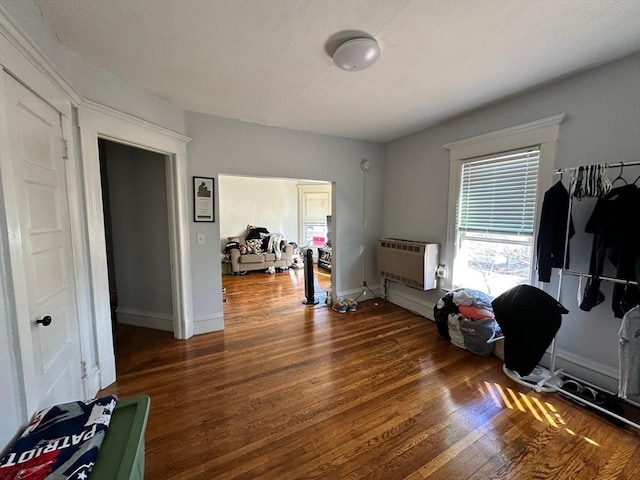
column 289, row 391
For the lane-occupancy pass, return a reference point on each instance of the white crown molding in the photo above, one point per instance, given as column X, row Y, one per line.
column 21, row 41
column 95, row 107
column 551, row 121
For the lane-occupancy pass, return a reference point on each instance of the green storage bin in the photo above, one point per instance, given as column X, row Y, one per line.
column 121, row 455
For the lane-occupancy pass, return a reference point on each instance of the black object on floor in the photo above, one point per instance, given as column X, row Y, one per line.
column 594, row 396
column 309, row 279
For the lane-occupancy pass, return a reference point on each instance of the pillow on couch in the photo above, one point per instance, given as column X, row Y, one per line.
column 254, row 245
column 254, row 232
column 230, row 246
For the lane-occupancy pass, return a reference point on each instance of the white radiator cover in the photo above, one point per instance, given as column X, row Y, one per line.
column 411, row 263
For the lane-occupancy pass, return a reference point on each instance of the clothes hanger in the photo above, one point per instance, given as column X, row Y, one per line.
column 588, row 180
column 577, row 184
column 605, row 184
column 619, row 177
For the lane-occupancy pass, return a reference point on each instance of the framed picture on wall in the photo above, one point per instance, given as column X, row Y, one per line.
column 203, row 199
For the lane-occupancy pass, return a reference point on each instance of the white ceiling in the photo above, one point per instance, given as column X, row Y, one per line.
column 266, row 61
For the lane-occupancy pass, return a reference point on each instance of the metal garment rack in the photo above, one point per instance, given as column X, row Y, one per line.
column 560, row 171
column 552, row 381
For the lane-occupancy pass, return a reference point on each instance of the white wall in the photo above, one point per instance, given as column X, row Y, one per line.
column 263, row 202
column 602, row 125
column 140, row 228
column 238, row 148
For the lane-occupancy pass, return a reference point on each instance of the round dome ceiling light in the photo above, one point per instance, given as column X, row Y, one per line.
column 356, row 54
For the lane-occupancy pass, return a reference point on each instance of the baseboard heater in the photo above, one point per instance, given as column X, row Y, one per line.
column 411, row 263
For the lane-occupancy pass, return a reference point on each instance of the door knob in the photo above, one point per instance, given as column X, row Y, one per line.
column 45, row 321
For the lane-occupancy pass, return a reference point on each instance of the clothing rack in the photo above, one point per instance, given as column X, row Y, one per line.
column 553, row 381
column 607, row 279
column 560, row 171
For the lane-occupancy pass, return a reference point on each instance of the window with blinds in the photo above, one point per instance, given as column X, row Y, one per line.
column 498, row 193
column 495, row 220
column 314, row 207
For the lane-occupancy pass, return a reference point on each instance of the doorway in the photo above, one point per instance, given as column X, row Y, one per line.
column 136, row 223
column 300, row 210
column 97, row 121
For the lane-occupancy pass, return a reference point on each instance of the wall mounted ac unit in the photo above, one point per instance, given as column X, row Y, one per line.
column 411, row 263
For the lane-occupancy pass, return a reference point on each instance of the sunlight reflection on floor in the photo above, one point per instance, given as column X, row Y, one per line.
column 506, row 398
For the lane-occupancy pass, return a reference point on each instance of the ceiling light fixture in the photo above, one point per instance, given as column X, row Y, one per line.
column 356, row 54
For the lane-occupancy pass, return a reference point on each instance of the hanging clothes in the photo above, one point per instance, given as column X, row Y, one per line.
column 550, row 244
column 629, row 352
column 614, row 240
column 529, row 318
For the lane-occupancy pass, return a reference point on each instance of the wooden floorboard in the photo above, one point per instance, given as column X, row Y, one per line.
column 293, row 391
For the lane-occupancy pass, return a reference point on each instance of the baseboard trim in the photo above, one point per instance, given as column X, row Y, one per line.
column 141, row 318
column 208, row 323
column 596, row 373
column 422, row 303
column 416, row 301
column 421, row 308
column 358, row 293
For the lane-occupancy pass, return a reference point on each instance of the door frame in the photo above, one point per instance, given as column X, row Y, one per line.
column 97, row 121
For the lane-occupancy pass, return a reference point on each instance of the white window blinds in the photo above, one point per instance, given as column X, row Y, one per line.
column 498, row 193
column 316, row 206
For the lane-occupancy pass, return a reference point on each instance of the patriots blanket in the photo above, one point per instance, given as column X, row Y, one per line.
column 60, row 443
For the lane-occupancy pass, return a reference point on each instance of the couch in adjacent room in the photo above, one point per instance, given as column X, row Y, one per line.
column 259, row 250
column 259, row 261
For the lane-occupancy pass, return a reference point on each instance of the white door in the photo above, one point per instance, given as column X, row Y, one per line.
column 54, row 373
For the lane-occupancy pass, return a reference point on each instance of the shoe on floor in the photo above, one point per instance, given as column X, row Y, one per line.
column 340, row 306
column 352, row 305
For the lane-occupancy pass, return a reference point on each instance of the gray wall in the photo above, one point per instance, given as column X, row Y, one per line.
column 602, row 125
column 140, row 228
column 263, row 202
column 238, row 148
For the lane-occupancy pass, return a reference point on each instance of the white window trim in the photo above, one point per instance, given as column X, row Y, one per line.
column 544, row 132
column 310, row 188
